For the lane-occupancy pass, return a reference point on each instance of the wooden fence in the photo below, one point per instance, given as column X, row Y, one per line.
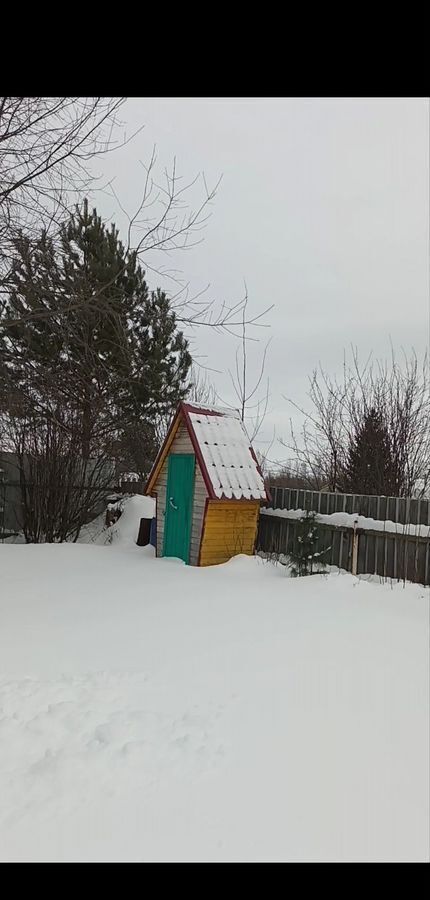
column 406, row 510
column 399, row 556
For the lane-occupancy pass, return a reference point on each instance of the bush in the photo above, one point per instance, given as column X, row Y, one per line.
column 305, row 558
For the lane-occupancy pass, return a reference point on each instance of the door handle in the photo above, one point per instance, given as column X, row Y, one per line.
column 172, row 503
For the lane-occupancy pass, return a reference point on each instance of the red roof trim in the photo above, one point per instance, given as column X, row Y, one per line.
column 186, row 409
column 162, row 449
column 268, row 497
column 191, row 407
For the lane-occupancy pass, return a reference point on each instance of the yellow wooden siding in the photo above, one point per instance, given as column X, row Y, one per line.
column 230, row 528
column 181, row 444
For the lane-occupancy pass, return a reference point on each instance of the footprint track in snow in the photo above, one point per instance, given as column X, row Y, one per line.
column 101, row 733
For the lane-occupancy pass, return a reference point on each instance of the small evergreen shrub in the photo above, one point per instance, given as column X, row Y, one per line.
column 306, row 559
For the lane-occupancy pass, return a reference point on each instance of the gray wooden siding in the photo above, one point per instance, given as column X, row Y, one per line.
column 182, row 444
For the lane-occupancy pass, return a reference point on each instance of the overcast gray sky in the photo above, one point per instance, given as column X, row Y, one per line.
column 323, row 209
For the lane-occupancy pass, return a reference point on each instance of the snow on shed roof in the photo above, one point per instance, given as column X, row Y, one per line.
column 226, row 453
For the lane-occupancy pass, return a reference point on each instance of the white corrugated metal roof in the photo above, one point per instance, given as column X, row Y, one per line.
column 226, row 451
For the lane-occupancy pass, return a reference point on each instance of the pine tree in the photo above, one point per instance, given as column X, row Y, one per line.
column 112, row 352
column 370, row 465
column 305, row 559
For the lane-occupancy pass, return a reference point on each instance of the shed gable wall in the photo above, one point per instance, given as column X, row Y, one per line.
column 181, row 444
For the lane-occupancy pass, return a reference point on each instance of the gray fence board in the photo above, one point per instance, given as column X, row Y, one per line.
column 406, row 510
column 399, row 557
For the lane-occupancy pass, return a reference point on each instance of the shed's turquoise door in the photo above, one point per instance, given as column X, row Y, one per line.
column 179, row 505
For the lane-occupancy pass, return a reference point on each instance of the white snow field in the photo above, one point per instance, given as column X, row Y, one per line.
column 155, row 712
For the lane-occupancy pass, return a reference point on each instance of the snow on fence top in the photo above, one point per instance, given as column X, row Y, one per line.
column 412, row 510
column 348, row 520
column 227, row 454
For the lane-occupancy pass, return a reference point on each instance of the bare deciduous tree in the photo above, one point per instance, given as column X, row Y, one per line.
column 398, row 393
column 47, row 146
column 60, row 491
column 202, row 392
column 252, row 413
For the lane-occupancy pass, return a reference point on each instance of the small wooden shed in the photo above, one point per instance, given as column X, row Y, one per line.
column 208, row 487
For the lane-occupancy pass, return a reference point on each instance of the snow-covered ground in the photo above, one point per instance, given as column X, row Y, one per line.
column 153, row 711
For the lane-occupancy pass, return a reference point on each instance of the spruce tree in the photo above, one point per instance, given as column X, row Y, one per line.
column 370, row 465
column 112, row 352
column 305, row 558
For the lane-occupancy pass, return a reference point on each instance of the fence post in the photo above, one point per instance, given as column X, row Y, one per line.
column 2, row 503
column 354, row 548
column 426, row 566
